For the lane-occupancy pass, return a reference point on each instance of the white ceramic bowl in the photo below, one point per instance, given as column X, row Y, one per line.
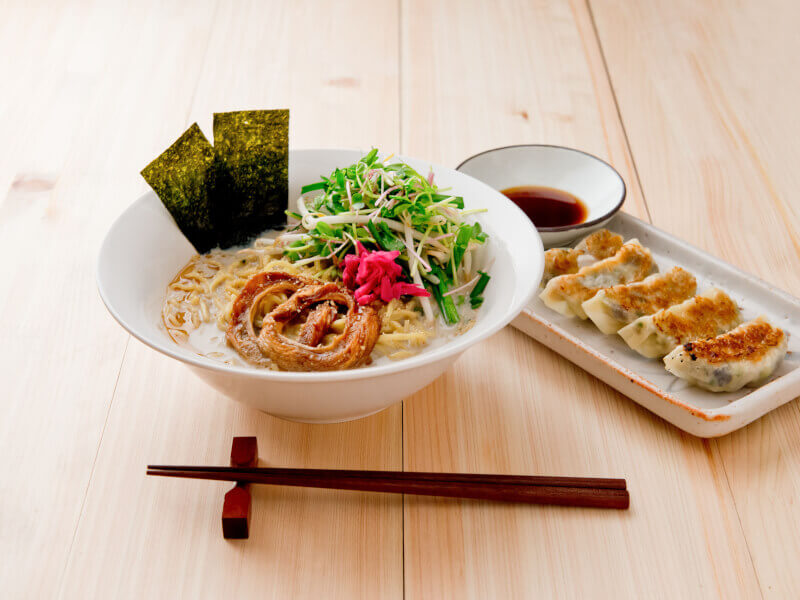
column 144, row 250
column 590, row 179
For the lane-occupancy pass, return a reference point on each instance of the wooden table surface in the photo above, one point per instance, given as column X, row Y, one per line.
column 695, row 103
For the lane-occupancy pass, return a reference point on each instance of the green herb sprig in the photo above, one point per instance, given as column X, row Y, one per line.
column 390, row 206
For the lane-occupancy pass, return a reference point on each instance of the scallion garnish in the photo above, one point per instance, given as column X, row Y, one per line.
column 389, row 206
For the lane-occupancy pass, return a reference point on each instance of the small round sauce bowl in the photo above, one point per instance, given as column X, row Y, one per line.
column 593, row 181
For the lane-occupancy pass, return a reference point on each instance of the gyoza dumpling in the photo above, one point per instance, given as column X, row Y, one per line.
column 562, row 261
column 600, row 244
column 614, row 307
column 566, row 293
column 596, row 246
column 703, row 316
column 746, row 355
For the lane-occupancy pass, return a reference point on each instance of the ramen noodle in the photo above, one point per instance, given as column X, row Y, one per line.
column 199, row 300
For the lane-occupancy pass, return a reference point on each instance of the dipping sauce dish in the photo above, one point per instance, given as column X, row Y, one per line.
column 554, row 174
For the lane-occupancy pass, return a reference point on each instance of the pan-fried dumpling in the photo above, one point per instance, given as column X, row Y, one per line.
column 596, row 246
column 703, row 316
column 600, row 244
column 746, row 355
column 561, row 261
column 614, row 307
column 566, row 293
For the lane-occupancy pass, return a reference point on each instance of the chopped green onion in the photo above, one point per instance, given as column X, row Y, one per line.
column 320, row 185
column 421, row 221
column 463, row 237
column 476, row 295
column 446, row 304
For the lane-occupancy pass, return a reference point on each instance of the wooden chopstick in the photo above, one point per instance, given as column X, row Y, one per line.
column 587, row 482
column 565, row 491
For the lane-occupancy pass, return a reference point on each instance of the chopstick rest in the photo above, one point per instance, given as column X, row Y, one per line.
column 589, row 492
column 237, row 505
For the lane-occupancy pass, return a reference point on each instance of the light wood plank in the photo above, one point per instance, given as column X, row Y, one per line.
column 512, row 406
column 95, row 89
column 140, row 537
column 709, row 100
column 62, row 168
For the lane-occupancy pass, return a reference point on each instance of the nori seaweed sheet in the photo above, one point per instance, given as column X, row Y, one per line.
column 225, row 194
column 251, row 150
column 183, row 178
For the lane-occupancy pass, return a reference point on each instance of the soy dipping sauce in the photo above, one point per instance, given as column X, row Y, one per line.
column 548, row 207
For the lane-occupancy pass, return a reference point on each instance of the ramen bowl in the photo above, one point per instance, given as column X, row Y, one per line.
column 593, row 181
column 144, row 249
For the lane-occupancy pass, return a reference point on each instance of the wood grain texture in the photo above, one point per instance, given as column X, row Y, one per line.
column 104, row 88
column 145, row 537
column 702, row 91
column 62, row 167
column 303, row 543
column 510, row 405
column 711, row 112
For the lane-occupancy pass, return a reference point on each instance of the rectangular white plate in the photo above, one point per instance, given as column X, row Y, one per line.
column 701, row 413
